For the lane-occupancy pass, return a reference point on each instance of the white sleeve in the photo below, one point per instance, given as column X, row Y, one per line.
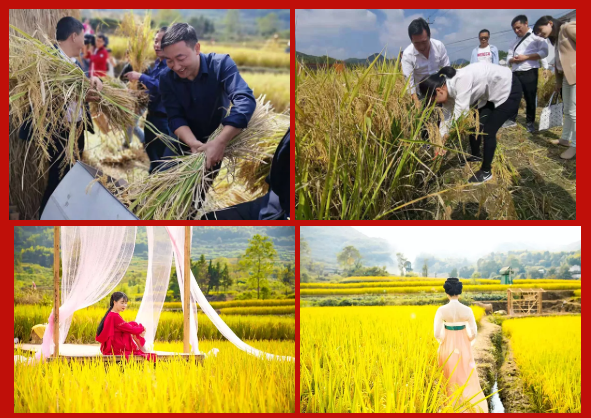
column 473, row 330
column 438, row 326
column 444, row 57
column 445, row 124
column 408, row 71
column 543, row 51
column 461, row 103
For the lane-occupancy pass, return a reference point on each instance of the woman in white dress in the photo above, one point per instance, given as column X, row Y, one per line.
column 455, row 329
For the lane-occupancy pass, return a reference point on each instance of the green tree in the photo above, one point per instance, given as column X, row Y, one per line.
column 232, row 22
column 348, row 257
column 268, row 25
column 304, row 252
column 203, row 26
column 166, row 17
column 225, row 278
column 402, row 260
column 288, row 277
column 425, row 269
column 258, row 261
column 454, row 272
column 265, row 292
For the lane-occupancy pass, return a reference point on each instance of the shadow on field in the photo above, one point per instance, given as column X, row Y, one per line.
column 535, row 196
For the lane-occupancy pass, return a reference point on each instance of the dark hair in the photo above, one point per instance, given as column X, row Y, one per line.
column 180, row 32
column 104, row 38
column 430, row 84
column 115, row 297
column 417, row 27
column 66, row 27
column 484, row 30
column 453, row 286
column 543, row 21
column 163, row 29
column 520, row 18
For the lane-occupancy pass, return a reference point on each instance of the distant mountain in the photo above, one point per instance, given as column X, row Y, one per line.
column 460, row 62
column 311, row 59
column 326, row 241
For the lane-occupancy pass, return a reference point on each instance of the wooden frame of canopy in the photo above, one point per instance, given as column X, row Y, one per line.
column 186, row 301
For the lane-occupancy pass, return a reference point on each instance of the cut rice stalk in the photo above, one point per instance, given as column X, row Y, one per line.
column 177, row 191
column 48, row 92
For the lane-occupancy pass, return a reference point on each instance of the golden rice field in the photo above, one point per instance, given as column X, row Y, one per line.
column 170, row 327
column 275, row 86
column 238, row 303
column 548, row 353
column 259, row 310
column 242, row 55
column 432, row 282
column 371, row 359
column 233, row 381
column 578, row 292
column 569, row 285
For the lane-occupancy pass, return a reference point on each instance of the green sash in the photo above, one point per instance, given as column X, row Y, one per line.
column 455, row 327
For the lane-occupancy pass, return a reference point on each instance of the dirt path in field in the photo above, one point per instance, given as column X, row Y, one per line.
column 484, row 354
column 495, row 361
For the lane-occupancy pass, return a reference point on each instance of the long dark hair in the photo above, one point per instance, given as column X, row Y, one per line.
column 430, row 84
column 115, row 297
column 556, row 24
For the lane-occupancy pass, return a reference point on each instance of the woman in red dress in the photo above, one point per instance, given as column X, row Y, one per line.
column 118, row 337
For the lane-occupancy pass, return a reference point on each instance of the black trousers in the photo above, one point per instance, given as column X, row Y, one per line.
column 155, row 147
column 491, row 120
column 244, row 211
column 55, row 176
column 529, row 84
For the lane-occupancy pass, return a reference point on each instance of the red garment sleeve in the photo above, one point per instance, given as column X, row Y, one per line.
column 106, row 335
column 123, row 326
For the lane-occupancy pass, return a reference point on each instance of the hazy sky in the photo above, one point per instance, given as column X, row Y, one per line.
column 358, row 33
column 469, row 241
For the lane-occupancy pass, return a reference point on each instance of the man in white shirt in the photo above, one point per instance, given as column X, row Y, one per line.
column 524, row 59
column 423, row 57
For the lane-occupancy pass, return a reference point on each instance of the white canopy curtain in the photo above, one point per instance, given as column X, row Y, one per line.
column 177, row 235
column 94, row 260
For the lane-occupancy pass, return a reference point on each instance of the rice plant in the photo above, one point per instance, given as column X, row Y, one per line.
column 361, row 151
column 567, row 285
column 232, row 381
column 170, row 327
column 177, row 190
column 433, row 282
column 259, row 310
column 140, row 39
column 372, row 359
column 239, row 303
column 46, row 91
column 276, row 86
column 548, row 353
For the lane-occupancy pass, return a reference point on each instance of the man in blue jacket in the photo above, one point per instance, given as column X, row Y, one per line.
column 485, row 52
column 197, row 91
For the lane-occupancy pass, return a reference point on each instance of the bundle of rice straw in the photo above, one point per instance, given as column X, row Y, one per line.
column 175, row 192
column 48, row 92
column 140, row 38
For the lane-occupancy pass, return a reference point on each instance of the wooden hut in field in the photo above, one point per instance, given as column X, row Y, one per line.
column 26, row 184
